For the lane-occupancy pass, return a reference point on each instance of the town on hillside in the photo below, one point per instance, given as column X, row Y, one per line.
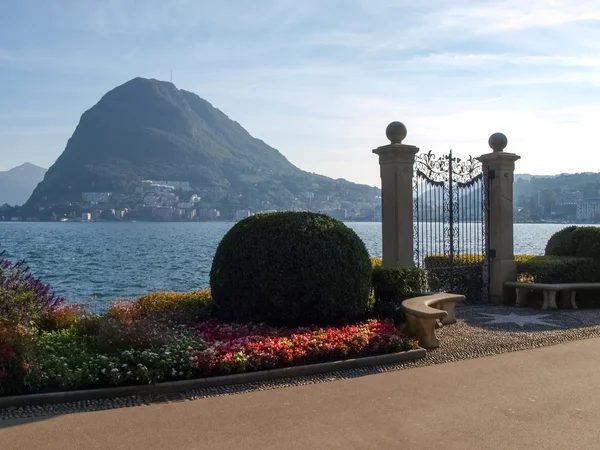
column 165, row 200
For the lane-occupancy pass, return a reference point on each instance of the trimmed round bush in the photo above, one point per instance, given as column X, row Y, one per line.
column 586, row 241
column 561, row 243
column 290, row 269
column 575, row 241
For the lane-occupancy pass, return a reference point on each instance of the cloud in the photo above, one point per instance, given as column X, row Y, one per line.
column 321, row 80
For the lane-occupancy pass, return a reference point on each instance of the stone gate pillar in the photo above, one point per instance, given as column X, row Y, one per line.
column 396, row 162
column 500, row 168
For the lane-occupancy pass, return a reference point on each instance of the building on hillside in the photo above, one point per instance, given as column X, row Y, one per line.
column 163, row 213
column 96, row 197
column 339, row 214
column 96, row 214
column 190, row 214
column 86, row 217
column 568, row 198
column 588, row 208
column 241, row 214
column 168, row 199
column 209, row 213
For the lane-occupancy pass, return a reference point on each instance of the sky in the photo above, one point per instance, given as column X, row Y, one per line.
column 319, row 79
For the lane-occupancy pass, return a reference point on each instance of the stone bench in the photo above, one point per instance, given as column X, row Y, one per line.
column 549, row 291
column 422, row 315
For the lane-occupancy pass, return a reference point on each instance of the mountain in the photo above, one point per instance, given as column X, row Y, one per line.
column 149, row 129
column 17, row 184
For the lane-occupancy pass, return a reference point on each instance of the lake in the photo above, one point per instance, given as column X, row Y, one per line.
column 110, row 260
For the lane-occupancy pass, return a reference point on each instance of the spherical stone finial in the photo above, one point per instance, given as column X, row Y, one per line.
column 396, row 132
column 498, row 142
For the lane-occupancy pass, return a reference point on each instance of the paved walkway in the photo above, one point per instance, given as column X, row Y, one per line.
column 545, row 398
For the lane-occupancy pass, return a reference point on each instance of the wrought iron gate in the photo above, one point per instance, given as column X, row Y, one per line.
column 451, row 224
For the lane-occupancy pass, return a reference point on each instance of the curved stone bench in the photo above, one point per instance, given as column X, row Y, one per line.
column 422, row 315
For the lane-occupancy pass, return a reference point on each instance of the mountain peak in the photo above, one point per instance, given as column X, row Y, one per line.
column 28, row 166
column 146, row 129
column 17, row 184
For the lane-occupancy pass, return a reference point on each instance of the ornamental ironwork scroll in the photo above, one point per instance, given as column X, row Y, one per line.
column 450, row 204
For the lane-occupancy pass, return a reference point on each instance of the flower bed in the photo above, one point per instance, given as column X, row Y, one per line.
column 243, row 348
column 74, row 358
column 48, row 346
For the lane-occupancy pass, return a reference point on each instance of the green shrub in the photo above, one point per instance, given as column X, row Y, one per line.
column 196, row 305
column 67, row 360
column 291, row 268
column 466, row 276
column 561, row 243
column 575, row 241
column 393, row 285
column 586, row 242
column 61, row 318
column 24, row 299
column 559, row 269
column 16, row 355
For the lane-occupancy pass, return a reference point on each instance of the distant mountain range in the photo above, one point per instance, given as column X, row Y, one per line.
column 147, row 129
column 17, row 184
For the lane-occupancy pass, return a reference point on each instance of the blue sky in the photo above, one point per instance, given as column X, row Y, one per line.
column 318, row 79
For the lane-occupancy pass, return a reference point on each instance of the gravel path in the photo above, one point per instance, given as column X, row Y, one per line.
column 480, row 331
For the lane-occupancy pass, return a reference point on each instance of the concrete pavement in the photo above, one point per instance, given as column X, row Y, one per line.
column 545, row 398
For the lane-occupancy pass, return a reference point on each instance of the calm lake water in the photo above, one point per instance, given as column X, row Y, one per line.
column 107, row 260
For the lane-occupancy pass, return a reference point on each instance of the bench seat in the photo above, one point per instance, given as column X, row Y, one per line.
column 422, row 315
column 550, row 290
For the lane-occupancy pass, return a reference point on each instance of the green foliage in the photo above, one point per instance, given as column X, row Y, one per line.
column 393, row 285
column 291, row 268
column 24, row 299
column 466, row 274
column 561, row 243
column 62, row 317
column 586, row 241
column 575, row 241
column 195, row 305
column 559, row 269
column 16, row 354
column 69, row 361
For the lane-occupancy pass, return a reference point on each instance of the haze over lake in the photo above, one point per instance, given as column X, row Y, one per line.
column 107, row 261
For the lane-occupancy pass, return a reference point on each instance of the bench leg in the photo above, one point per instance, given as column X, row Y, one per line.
column 573, row 303
column 426, row 333
column 450, row 308
column 411, row 325
column 549, row 300
column 521, row 296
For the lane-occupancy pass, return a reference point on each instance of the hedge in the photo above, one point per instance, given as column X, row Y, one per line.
column 559, row 269
column 392, row 285
column 291, row 269
column 466, row 277
column 575, row 241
